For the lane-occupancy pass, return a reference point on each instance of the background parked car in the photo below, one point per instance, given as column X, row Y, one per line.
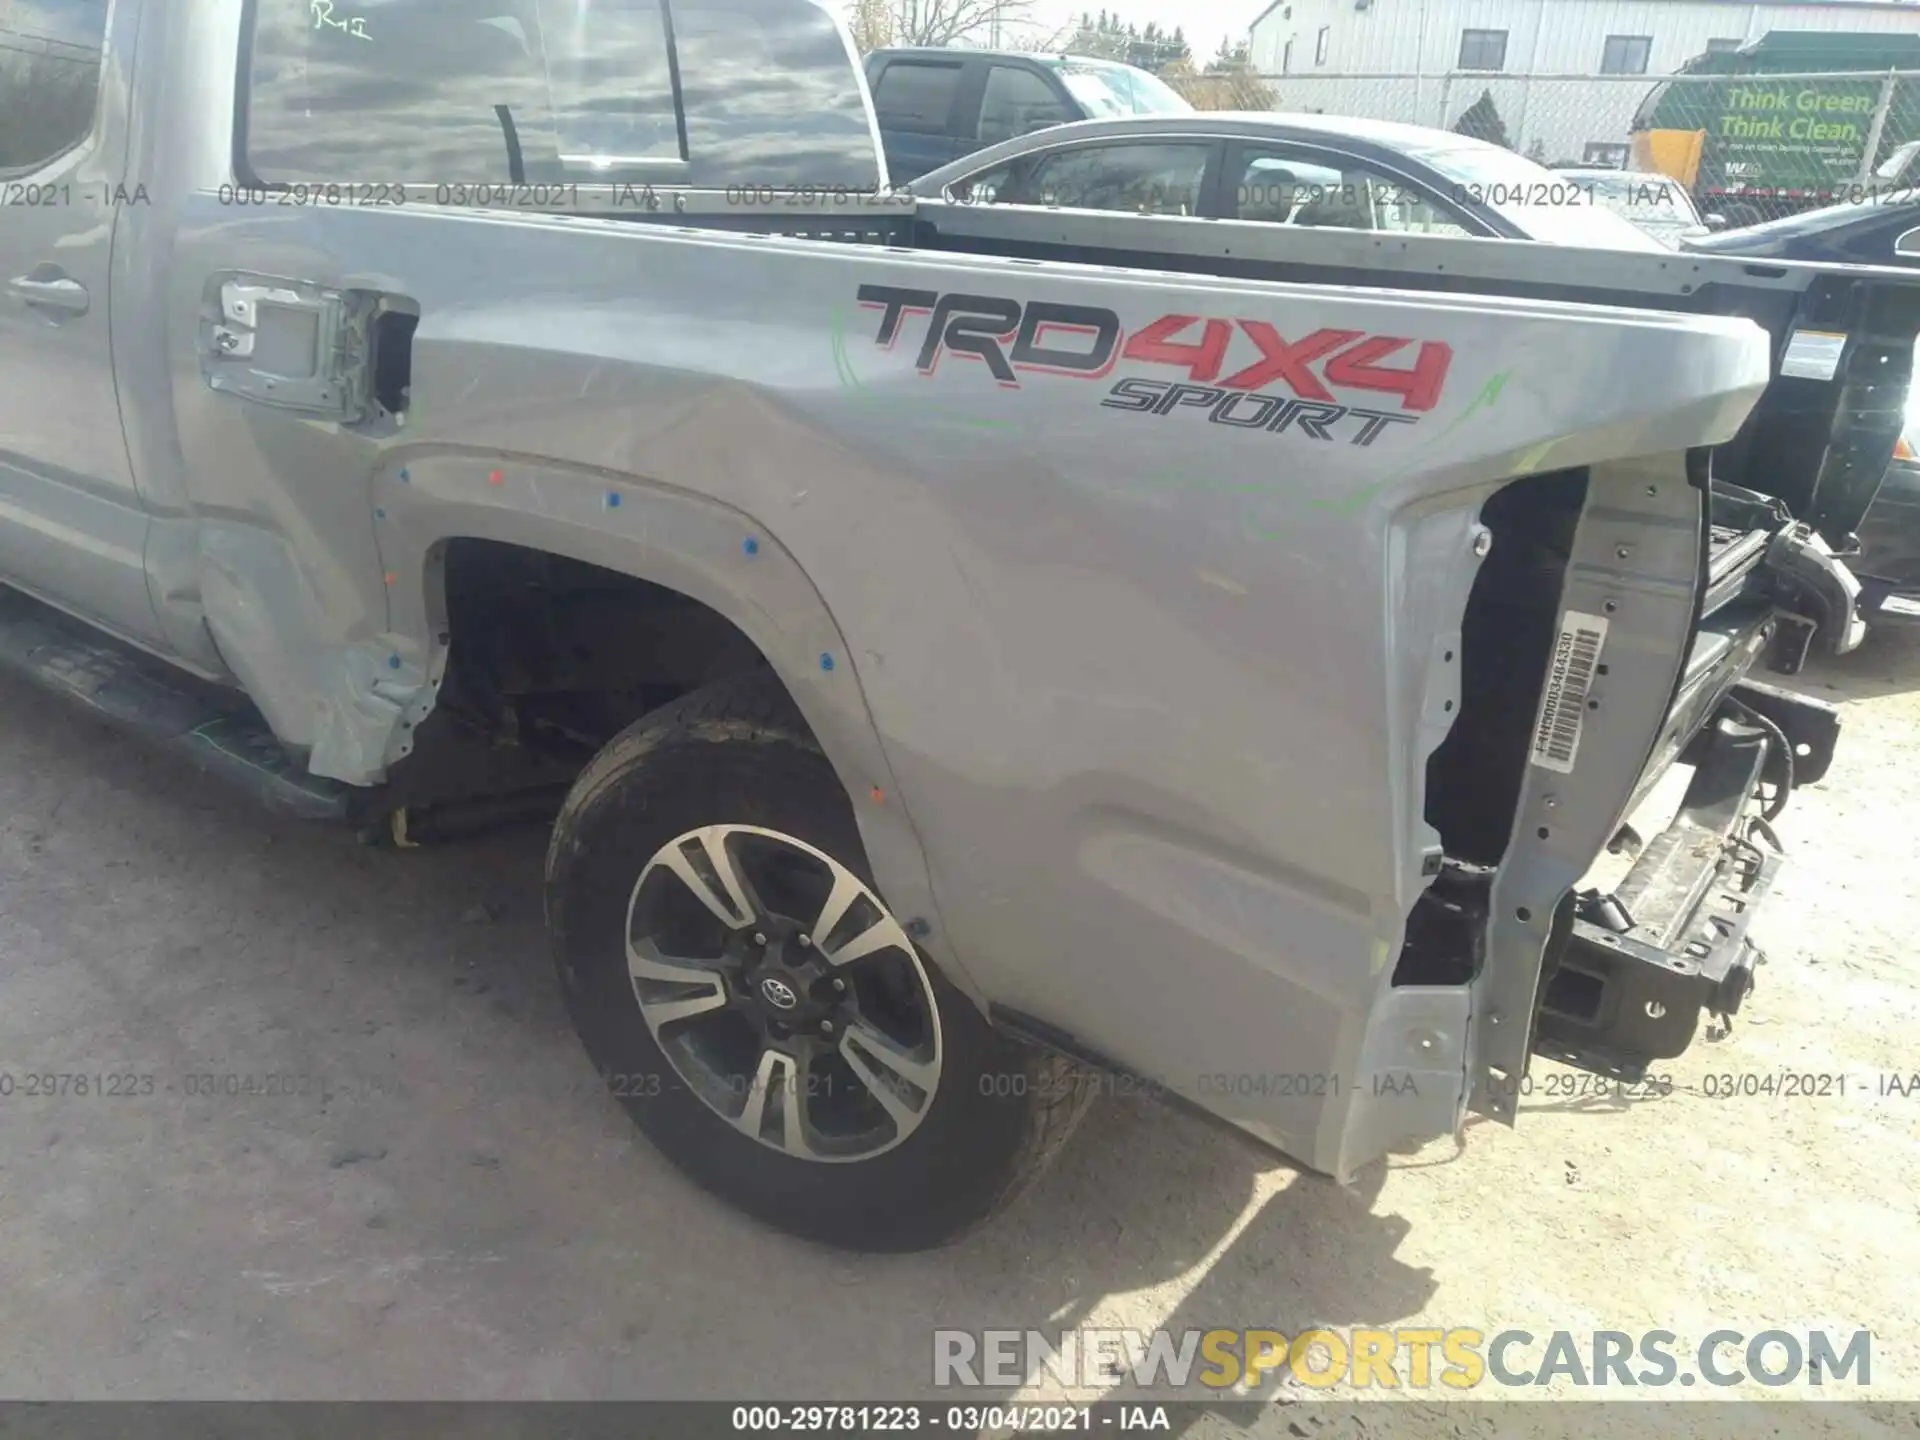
column 936, row 105
column 1658, row 204
column 1884, row 230
column 1309, row 170
column 1888, row 565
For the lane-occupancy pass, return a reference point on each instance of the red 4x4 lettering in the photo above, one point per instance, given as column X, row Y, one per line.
column 1350, row 359
column 1281, row 361
column 1358, row 368
column 1203, row 358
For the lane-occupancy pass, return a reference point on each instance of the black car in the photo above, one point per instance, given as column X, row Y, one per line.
column 1888, row 565
column 1884, row 230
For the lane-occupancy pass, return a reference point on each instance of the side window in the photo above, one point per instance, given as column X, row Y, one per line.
column 756, row 75
column 1141, row 178
column 1274, row 189
column 1404, row 209
column 1282, row 187
column 49, row 77
column 458, row 91
column 1625, row 54
column 988, row 186
column 1018, row 102
column 610, row 87
column 916, row 95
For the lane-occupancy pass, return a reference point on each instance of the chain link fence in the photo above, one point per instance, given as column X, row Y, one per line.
column 1750, row 146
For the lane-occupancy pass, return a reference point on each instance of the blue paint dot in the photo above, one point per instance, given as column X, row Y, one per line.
column 826, row 661
column 750, row 545
column 379, row 514
column 405, row 476
column 393, row 662
column 613, row 500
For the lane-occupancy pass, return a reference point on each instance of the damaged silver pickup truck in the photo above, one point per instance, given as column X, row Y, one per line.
column 986, row 654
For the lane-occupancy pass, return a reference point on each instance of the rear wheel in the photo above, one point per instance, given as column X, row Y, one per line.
column 767, row 1021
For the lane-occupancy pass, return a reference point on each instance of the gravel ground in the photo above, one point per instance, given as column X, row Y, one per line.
column 442, row 1206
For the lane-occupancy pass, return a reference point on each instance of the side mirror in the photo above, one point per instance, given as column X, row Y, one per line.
column 1908, row 244
column 1715, row 221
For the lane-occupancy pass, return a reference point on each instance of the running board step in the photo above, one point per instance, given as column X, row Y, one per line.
column 216, row 730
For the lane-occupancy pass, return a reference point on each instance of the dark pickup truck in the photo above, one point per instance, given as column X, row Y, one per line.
column 936, row 105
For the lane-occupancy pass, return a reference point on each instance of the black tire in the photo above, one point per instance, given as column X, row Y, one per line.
column 738, row 752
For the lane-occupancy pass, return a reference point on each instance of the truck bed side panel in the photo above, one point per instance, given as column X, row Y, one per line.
column 1157, row 640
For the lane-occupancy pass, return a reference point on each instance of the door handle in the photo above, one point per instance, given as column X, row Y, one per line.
column 62, row 294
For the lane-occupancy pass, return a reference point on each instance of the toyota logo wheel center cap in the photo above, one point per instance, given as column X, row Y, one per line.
column 778, row 993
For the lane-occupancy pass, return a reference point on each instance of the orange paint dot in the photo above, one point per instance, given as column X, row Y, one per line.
column 497, row 478
column 391, row 579
column 879, row 796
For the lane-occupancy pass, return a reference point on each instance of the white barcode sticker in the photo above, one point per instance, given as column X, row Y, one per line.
column 1563, row 708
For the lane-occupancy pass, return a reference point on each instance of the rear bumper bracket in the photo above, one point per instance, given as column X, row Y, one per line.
column 1620, row 998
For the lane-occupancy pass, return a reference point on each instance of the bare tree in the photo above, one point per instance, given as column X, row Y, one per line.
column 871, row 24
column 1228, row 84
column 1108, row 37
column 956, row 22
column 1043, row 42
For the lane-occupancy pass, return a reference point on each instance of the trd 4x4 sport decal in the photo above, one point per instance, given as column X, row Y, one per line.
column 1085, row 342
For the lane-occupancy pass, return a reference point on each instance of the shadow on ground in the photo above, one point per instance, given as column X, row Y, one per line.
column 359, row 1154
column 1887, row 663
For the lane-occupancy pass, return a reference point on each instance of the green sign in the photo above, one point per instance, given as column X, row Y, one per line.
column 1789, row 135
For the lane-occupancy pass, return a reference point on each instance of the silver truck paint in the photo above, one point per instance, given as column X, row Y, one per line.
column 1134, row 711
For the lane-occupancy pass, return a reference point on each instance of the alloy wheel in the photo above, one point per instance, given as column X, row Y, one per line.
column 783, row 992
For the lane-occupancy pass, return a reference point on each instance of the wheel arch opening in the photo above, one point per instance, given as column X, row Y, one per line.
column 548, row 658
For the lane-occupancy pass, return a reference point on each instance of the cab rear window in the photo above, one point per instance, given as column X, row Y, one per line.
column 482, row 92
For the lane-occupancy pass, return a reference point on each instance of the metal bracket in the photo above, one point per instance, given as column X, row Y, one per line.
column 288, row 344
column 1804, row 561
column 1635, row 561
column 1616, row 1003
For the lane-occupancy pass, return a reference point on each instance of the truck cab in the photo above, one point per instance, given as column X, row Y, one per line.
column 936, row 105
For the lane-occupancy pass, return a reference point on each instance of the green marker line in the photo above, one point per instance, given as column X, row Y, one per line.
column 843, row 367
column 1488, row 397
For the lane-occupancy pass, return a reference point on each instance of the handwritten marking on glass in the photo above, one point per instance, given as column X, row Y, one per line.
column 354, row 25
